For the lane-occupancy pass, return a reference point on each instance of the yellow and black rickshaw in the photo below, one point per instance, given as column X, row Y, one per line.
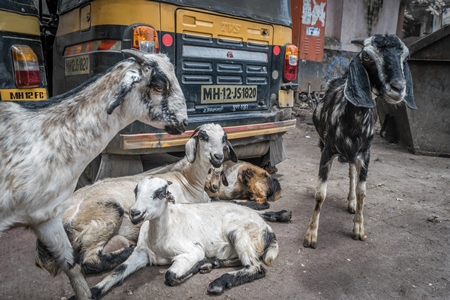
column 234, row 60
column 22, row 71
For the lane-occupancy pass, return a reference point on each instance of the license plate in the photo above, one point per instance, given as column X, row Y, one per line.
column 215, row 94
column 36, row 94
column 77, row 65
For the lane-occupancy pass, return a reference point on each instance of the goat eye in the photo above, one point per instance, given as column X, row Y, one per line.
column 158, row 88
column 366, row 57
column 160, row 196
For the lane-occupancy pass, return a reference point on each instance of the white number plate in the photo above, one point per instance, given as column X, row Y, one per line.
column 77, row 65
column 215, row 94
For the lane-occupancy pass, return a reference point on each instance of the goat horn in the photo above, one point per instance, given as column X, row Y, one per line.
column 195, row 131
column 359, row 42
column 136, row 54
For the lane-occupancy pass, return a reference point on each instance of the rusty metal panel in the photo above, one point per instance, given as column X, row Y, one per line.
column 308, row 32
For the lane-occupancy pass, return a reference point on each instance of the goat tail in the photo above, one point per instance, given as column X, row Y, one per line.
column 270, row 248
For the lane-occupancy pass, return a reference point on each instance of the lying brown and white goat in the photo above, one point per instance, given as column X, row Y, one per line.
column 97, row 220
column 346, row 116
column 241, row 182
column 45, row 146
column 194, row 238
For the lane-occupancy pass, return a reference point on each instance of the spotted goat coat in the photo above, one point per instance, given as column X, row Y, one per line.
column 345, row 119
column 45, row 146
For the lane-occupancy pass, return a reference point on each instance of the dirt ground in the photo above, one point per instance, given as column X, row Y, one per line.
column 406, row 254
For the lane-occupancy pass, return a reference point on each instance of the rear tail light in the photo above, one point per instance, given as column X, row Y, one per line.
column 26, row 66
column 290, row 63
column 145, row 39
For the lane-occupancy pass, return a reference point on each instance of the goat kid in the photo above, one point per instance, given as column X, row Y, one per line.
column 346, row 116
column 194, row 238
column 45, row 146
column 97, row 220
column 242, row 181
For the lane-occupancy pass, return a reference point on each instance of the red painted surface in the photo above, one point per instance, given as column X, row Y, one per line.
column 308, row 28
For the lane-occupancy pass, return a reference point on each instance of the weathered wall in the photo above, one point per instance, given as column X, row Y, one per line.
column 346, row 20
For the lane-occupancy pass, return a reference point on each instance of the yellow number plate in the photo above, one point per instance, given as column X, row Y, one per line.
column 36, row 94
column 216, row 94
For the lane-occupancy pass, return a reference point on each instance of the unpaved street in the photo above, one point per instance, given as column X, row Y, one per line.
column 406, row 254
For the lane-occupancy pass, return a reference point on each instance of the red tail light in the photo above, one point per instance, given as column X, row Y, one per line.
column 290, row 63
column 26, row 66
column 145, row 39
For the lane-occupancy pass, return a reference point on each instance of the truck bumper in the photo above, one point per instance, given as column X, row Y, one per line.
column 255, row 132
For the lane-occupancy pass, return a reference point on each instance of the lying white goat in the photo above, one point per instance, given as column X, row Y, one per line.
column 97, row 221
column 193, row 238
column 45, row 146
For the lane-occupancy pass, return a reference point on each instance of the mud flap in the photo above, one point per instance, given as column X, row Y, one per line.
column 119, row 165
column 277, row 151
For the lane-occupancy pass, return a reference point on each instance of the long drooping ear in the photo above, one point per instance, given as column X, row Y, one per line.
column 232, row 155
column 357, row 87
column 191, row 149
column 191, row 146
column 224, row 178
column 409, row 98
column 125, row 85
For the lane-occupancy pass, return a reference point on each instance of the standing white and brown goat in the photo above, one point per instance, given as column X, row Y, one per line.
column 346, row 116
column 45, row 146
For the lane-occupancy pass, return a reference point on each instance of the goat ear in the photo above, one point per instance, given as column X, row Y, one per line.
column 357, row 87
column 130, row 78
column 191, row 149
column 409, row 98
column 231, row 152
column 224, row 178
column 170, row 198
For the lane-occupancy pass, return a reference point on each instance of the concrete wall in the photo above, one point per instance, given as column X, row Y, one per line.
column 345, row 20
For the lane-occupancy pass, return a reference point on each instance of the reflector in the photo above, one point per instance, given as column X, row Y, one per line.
column 145, row 39
column 290, row 63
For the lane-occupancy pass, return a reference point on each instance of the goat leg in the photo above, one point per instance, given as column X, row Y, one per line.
column 277, row 216
column 53, row 239
column 352, row 174
column 228, row 280
column 319, row 197
column 184, row 266
column 207, row 264
column 252, row 204
column 358, row 221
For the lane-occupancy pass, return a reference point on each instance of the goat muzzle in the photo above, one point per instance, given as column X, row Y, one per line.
column 177, row 128
column 216, row 160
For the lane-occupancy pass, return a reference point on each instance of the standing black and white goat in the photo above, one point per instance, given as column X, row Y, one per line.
column 97, row 219
column 193, row 238
column 345, row 119
column 45, row 146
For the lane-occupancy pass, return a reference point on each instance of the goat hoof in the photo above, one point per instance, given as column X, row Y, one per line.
column 351, row 209
column 215, row 289
column 171, row 279
column 206, row 268
column 361, row 237
column 309, row 243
